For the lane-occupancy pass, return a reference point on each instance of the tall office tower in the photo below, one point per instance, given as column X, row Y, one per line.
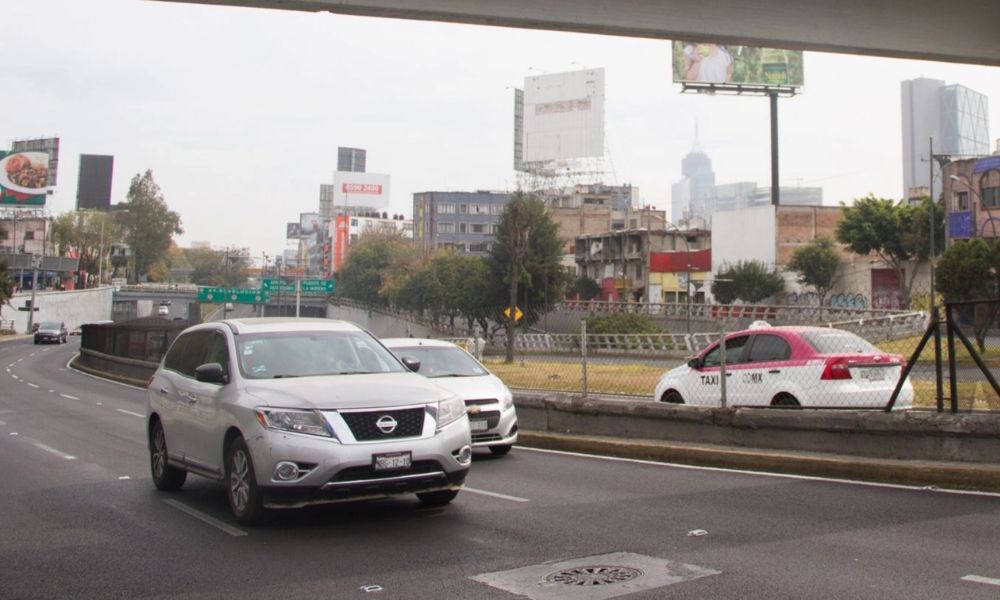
column 93, row 187
column 956, row 117
column 690, row 196
column 351, row 159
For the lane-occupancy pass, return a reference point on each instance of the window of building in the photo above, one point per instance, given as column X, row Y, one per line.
column 479, row 247
column 446, row 227
column 961, row 202
column 479, row 209
column 479, row 228
column 991, row 197
column 354, row 222
column 463, row 209
column 29, row 235
column 493, row 228
column 446, row 208
column 463, row 227
column 496, row 209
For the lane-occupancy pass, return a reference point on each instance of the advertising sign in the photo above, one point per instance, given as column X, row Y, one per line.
column 708, row 62
column 24, row 178
column 308, row 224
column 360, row 189
column 49, row 146
column 292, row 230
column 563, row 116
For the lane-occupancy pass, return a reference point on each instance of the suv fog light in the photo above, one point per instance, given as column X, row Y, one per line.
column 286, row 471
column 464, row 456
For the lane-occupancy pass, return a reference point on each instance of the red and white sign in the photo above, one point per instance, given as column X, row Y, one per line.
column 361, row 189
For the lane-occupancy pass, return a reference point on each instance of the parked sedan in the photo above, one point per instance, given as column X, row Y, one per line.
column 487, row 399
column 789, row 366
column 290, row 412
column 51, row 331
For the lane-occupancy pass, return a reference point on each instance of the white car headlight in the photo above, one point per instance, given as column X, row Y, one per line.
column 450, row 410
column 506, row 399
column 295, row 421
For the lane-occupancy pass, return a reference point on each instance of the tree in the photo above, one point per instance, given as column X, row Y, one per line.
column 970, row 270
column 6, row 285
column 370, row 265
column 527, row 252
column 816, row 264
column 149, row 224
column 91, row 234
column 585, row 288
column 896, row 232
column 219, row 268
column 751, row 281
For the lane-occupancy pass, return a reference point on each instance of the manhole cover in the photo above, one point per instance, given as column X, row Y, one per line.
column 594, row 575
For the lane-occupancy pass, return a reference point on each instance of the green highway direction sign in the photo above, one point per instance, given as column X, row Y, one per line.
column 307, row 286
column 236, row 295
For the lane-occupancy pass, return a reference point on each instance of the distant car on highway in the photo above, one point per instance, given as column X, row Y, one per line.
column 290, row 412
column 790, row 367
column 51, row 331
column 489, row 402
column 163, row 310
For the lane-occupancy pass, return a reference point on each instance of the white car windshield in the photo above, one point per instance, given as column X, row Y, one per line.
column 443, row 362
column 312, row 353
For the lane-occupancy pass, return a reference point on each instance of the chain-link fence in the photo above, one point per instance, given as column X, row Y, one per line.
column 854, row 363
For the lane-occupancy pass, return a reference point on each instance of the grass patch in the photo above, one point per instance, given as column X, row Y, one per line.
column 620, row 378
column 906, row 346
column 973, row 395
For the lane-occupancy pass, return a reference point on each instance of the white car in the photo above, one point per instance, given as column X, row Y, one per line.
column 487, row 399
column 290, row 412
column 789, row 366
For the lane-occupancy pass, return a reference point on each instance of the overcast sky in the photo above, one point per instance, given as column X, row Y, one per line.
column 239, row 112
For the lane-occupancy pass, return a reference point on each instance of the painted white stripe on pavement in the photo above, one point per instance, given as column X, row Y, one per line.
column 15, row 377
column 128, row 412
column 52, row 450
column 184, row 508
column 36, row 386
column 978, row 579
column 68, row 397
column 495, row 495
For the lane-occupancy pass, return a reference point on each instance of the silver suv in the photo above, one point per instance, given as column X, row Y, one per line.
column 290, row 412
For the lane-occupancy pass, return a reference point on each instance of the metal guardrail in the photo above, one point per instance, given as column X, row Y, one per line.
column 786, row 314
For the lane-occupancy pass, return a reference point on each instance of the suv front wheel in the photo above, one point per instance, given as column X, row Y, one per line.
column 165, row 477
column 245, row 499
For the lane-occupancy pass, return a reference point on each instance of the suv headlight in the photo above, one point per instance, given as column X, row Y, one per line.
column 449, row 411
column 294, row 421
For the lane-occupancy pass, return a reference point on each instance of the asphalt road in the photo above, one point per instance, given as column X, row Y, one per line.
column 80, row 518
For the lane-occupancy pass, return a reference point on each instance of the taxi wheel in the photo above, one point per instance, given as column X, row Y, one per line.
column 672, row 397
column 785, row 400
column 245, row 499
column 500, row 450
column 439, row 498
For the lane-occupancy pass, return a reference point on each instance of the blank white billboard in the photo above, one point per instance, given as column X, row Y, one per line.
column 360, row 189
column 564, row 116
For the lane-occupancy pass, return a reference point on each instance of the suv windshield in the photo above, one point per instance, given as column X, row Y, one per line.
column 443, row 362
column 312, row 353
column 838, row 342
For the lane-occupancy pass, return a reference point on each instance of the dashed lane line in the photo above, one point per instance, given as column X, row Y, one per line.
column 34, row 385
column 184, row 508
column 68, row 397
column 978, row 579
column 495, row 495
column 52, row 450
column 129, row 412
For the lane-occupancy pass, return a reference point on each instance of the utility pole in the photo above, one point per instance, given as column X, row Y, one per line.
column 518, row 235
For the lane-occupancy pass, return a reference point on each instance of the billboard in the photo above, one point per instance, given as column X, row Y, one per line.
column 711, row 63
column 49, row 146
column 93, row 187
column 360, row 189
column 308, row 224
column 563, row 116
column 292, row 230
column 24, row 178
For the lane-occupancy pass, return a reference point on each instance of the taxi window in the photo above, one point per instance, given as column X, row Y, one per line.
column 769, row 348
column 734, row 351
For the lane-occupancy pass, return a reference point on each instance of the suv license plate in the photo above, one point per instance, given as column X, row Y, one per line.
column 479, row 425
column 391, row 462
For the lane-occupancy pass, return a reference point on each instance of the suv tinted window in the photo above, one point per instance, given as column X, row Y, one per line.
column 189, row 352
column 175, row 355
column 768, row 348
column 218, row 352
column 734, row 350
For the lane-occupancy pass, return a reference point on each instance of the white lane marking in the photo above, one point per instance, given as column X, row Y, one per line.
column 52, row 450
column 654, row 463
column 30, row 355
column 495, row 495
column 13, row 433
column 52, row 391
column 100, row 404
column 978, row 579
column 184, row 508
column 128, row 412
column 36, row 386
column 124, row 477
column 15, row 377
column 68, row 397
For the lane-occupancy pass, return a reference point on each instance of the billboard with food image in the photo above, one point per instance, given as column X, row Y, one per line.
column 23, row 178
column 711, row 63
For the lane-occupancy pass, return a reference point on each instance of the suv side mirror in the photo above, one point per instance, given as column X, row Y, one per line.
column 411, row 363
column 210, row 373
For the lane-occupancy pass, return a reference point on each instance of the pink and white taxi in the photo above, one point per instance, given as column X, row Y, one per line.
column 789, row 366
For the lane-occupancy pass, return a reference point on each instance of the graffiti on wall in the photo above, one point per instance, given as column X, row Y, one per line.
column 848, row 300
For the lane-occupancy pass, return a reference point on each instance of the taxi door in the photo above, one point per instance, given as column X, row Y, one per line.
column 705, row 387
column 759, row 376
